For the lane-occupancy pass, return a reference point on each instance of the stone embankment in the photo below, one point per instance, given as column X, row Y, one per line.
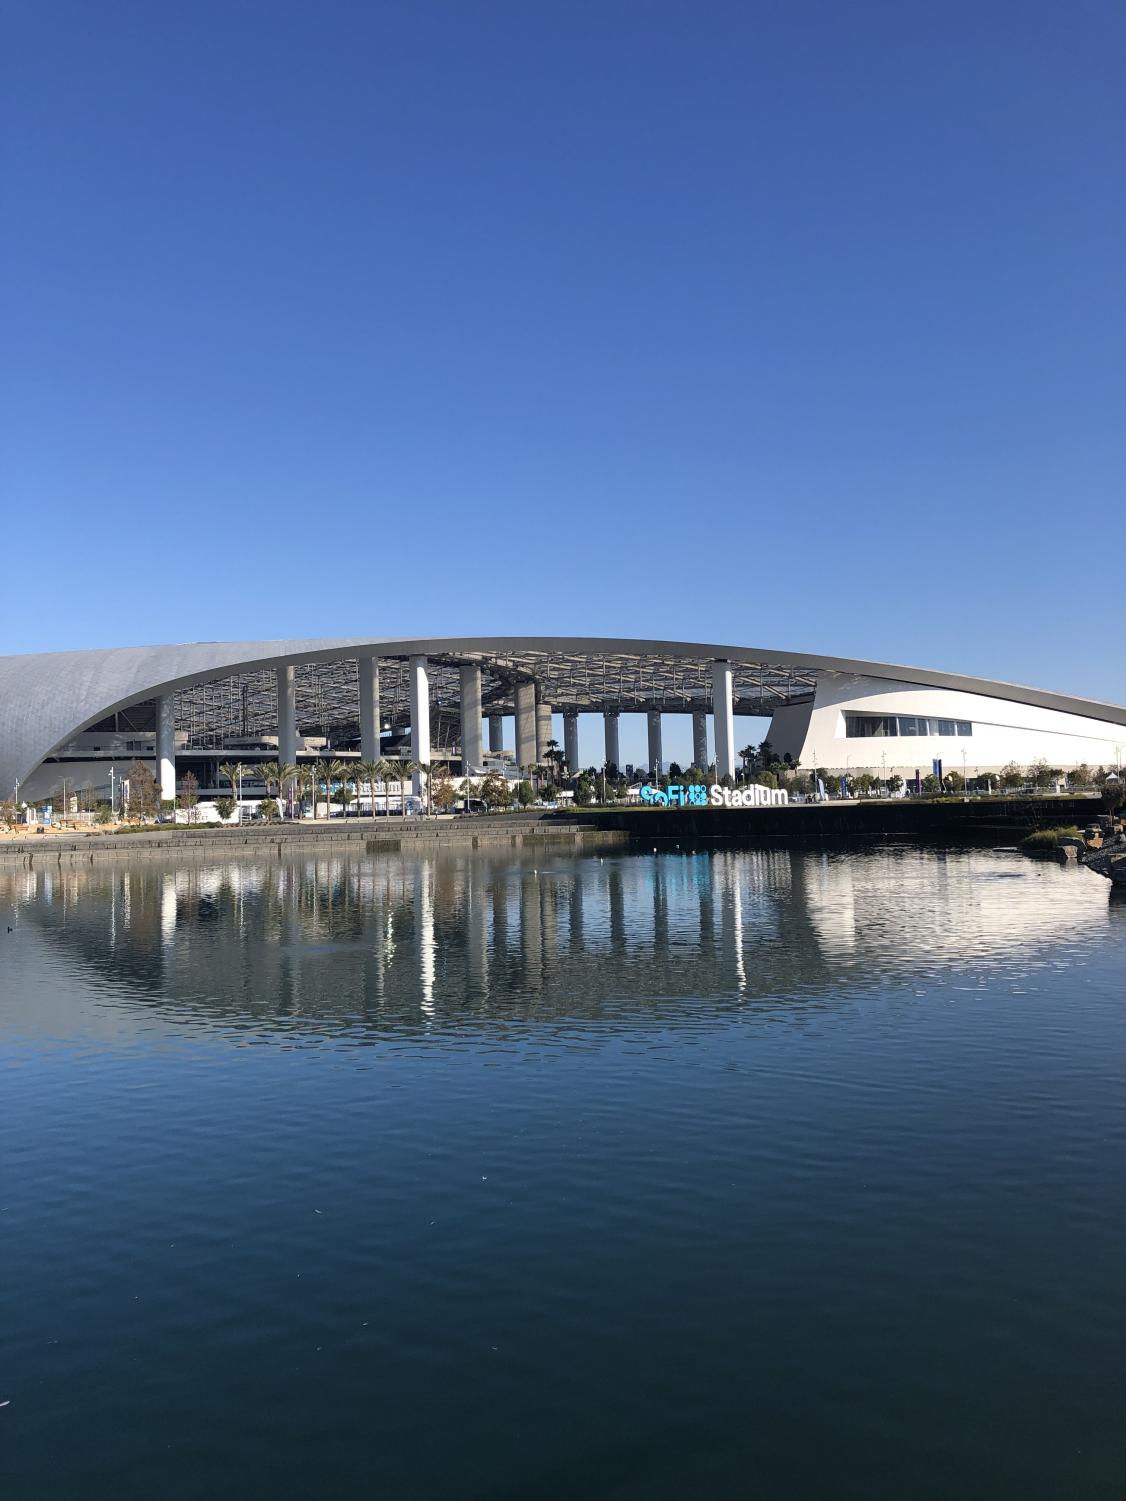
column 412, row 835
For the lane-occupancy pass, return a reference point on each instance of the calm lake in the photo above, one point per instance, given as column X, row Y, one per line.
column 722, row 1174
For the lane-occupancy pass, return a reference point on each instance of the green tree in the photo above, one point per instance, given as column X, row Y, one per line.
column 895, row 782
column 493, row 791
column 224, row 806
column 144, row 795
column 1011, row 776
column 931, row 783
column 443, row 793
column 1040, row 774
column 268, row 809
column 864, row 783
column 525, row 794
column 187, row 795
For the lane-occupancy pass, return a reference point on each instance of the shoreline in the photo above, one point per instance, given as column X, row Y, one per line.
column 834, row 824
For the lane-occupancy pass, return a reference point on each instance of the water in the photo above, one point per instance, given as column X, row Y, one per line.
column 729, row 1174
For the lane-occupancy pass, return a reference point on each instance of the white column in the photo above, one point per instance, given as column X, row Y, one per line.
column 496, row 732
column 724, row 720
column 420, row 718
column 700, row 739
column 369, row 708
column 613, row 752
column 654, row 721
column 525, row 696
column 287, row 717
column 571, row 741
column 472, row 748
column 165, row 747
column 543, row 728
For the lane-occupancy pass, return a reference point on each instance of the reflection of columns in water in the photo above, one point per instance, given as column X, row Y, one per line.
column 424, row 920
column 576, row 908
column 731, row 918
column 167, row 909
column 531, row 931
column 476, row 929
column 660, row 908
column 500, row 917
column 706, row 876
column 615, row 898
column 549, row 919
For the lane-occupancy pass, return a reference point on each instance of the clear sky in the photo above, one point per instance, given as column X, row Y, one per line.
column 796, row 325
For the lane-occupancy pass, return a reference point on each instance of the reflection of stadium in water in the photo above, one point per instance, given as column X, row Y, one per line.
column 367, row 944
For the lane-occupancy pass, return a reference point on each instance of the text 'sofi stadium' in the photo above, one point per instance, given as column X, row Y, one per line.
column 489, row 701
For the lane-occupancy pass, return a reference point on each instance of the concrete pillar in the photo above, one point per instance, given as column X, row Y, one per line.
column 613, row 751
column 496, row 732
column 165, row 747
column 700, row 739
column 369, row 708
column 525, row 695
column 543, row 728
column 571, row 741
column 724, row 719
column 420, row 718
column 287, row 717
column 655, row 760
column 472, row 747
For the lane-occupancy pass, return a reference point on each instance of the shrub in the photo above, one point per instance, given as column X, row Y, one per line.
column 224, row 806
column 1048, row 839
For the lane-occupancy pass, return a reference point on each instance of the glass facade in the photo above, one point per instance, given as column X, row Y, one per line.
column 869, row 726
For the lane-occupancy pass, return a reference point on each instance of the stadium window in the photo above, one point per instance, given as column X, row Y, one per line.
column 869, row 726
column 965, row 727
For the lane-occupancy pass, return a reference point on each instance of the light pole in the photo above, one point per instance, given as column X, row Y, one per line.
column 965, row 779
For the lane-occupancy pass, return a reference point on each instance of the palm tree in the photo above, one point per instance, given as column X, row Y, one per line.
column 270, row 773
column 384, row 770
column 233, row 771
column 368, row 771
column 306, row 779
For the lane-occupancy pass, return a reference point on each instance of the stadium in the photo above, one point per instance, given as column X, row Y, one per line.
column 495, row 703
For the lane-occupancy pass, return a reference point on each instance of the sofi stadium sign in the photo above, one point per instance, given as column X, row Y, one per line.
column 695, row 795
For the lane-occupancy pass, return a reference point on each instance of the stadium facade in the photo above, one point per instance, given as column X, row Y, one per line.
column 475, row 700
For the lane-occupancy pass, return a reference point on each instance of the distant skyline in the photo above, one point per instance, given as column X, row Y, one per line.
column 801, row 327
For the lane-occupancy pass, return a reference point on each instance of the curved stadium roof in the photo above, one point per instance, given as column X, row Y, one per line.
column 228, row 687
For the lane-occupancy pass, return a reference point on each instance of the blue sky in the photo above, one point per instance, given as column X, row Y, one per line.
column 792, row 325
